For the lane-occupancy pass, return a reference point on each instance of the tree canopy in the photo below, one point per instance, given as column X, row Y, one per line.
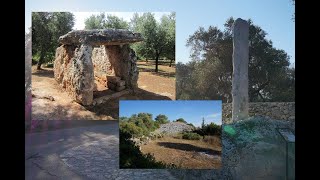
column 47, row 27
column 159, row 37
column 162, row 119
column 102, row 21
column 181, row 120
column 209, row 73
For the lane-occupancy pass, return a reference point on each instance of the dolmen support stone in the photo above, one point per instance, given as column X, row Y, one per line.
column 86, row 54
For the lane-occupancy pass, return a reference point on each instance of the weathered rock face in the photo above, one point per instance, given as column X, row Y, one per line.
column 174, row 127
column 240, row 56
column 73, row 70
column 273, row 110
column 253, row 149
column 100, row 37
column 101, row 63
column 77, row 62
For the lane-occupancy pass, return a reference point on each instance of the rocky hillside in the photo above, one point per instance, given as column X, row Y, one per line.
column 174, row 127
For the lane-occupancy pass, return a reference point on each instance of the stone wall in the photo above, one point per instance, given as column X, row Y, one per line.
column 274, row 110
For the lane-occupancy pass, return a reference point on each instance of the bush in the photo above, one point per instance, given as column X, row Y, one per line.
column 191, row 136
column 132, row 157
column 212, row 140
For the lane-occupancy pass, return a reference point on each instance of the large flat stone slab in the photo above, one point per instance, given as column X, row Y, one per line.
column 100, row 37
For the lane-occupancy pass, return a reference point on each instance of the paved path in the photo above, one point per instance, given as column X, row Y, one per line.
column 90, row 152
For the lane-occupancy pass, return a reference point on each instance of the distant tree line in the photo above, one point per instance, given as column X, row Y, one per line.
column 209, row 73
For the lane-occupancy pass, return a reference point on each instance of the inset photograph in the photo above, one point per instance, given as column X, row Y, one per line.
column 170, row 134
column 84, row 62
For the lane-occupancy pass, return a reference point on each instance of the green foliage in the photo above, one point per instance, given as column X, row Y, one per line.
column 181, row 120
column 95, row 22
column 159, row 38
column 191, row 136
column 209, row 129
column 190, row 124
column 162, row 119
column 212, row 129
column 131, row 156
column 138, row 124
column 102, row 21
column 47, row 27
column 209, row 74
column 131, row 128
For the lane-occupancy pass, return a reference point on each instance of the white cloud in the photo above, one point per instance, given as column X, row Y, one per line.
column 214, row 115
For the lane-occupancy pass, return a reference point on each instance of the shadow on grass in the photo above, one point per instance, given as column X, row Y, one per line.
column 44, row 73
column 188, row 147
column 159, row 73
column 108, row 109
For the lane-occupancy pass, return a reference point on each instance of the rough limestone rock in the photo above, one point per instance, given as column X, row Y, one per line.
column 86, row 55
column 240, row 56
column 273, row 110
column 251, row 149
column 100, row 37
column 174, row 127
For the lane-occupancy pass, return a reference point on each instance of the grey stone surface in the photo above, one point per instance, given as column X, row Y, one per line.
column 77, row 63
column 123, row 61
column 273, row 110
column 73, row 70
column 82, row 79
column 111, row 96
column 174, row 127
column 102, row 66
column 240, row 57
column 100, row 37
column 253, row 149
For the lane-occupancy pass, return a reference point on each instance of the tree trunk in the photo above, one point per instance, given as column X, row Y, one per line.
column 40, row 62
column 170, row 62
column 157, row 60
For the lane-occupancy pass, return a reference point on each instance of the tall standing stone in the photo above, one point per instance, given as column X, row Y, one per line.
column 240, row 56
column 82, row 75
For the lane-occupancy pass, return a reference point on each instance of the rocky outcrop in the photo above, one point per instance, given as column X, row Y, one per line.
column 174, row 127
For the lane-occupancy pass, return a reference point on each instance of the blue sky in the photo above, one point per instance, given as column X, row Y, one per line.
column 274, row 16
column 191, row 111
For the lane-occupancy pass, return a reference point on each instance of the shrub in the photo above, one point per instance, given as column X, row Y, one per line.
column 212, row 139
column 191, row 136
column 132, row 157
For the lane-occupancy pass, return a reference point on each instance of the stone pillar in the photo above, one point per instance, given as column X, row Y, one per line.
column 123, row 59
column 82, row 75
column 240, row 56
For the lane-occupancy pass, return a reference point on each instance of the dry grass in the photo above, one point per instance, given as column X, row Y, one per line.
column 151, row 86
column 185, row 153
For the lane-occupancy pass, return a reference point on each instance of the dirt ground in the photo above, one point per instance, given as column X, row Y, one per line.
column 186, row 154
column 50, row 102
